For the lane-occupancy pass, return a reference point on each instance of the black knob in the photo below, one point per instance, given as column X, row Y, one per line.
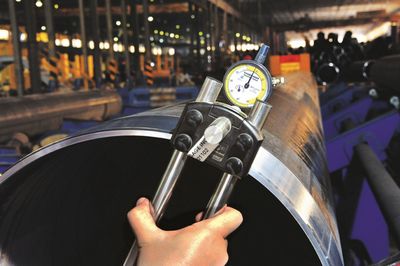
column 234, row 165
column 183, row 142
column 194, row 118
column 244, row 142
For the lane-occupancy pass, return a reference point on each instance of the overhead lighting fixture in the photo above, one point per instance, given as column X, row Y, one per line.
column 115, row 39
column 39, row 3
column 18, row 1
column 118, row 23
column 161, row 33
column 43, row 28
column 161, row 40
column 56, row 6
column 237, row 34
column 172, row 35
column 155, row 31
column 192, row 16
column 76, row 43
column 150, row 18
column 4, row 34
column 65, row 42
column 200, row 33
column 91, row 45
column 177, row 27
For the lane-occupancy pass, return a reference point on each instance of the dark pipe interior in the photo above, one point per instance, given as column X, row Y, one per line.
column 69, row 208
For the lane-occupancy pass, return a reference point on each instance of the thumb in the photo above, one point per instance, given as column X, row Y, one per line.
column 142, row 221
column 226, row 222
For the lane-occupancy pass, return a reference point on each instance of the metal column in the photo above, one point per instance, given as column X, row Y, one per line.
column 126, row 46
column 196, row 31
column 235, row 30
column 109, row 30
column 225, row 31
column 217, row 38
column 48, row 9
column 84, row 43
column 146, row 30
column 209, row 40
column 191, row 30
column 96, row 41
column 18, row 67
column 31, row 26
column 136, row 28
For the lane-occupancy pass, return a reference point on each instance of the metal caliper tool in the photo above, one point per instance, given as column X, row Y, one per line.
column 218, row 133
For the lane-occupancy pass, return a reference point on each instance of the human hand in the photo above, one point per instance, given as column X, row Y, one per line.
column 202, row 243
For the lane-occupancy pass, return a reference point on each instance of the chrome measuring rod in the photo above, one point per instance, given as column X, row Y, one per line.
column 225, row 134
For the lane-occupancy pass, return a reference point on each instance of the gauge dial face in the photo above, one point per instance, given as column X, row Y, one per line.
column 244, row 84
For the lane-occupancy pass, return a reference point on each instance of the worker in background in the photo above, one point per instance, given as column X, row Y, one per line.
column 202, row 243
column 320, row 44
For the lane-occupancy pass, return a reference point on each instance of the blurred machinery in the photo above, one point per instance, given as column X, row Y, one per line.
column 362, row 128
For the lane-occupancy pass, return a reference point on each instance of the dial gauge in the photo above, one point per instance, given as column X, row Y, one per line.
column 245, row 82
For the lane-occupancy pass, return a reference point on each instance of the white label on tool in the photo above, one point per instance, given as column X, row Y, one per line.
column 202, row 149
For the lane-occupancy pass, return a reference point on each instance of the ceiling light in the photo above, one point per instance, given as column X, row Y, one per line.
column 39, row 3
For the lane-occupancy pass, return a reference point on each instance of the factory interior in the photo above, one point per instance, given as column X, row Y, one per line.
column 287, row 111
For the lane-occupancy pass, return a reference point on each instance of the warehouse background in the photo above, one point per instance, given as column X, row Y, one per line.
column 67, row 66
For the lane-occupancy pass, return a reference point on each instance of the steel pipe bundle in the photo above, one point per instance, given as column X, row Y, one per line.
column 384, row 72
column 66, row 204
column 39, row 113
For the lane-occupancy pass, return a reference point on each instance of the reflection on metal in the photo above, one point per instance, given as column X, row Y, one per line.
column 36, row 114
column 290, row 164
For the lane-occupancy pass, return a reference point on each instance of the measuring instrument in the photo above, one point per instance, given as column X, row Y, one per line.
column 219, row 134
column 248, row 81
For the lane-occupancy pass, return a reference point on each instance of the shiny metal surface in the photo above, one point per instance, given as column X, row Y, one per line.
column 258, row 114
column 221, row 195
column 168, row 182
column 209, row 90
column 162, row 196
column 42, row 112
column 286, row 201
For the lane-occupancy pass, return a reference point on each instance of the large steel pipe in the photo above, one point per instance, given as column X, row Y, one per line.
column 66, row 204
column 39, row 113
column 384, row 72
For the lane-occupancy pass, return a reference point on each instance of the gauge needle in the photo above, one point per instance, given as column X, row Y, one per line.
column 248, row 82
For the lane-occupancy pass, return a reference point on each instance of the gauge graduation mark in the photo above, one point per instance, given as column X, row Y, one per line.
column 244, row 84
